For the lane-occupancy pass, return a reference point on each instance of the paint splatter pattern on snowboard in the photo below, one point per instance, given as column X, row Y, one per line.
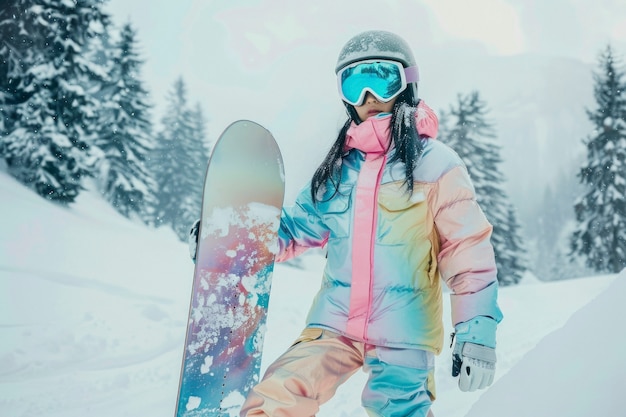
column 235, row 259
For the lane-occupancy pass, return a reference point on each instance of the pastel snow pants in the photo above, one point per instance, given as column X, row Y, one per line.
column 400, row 382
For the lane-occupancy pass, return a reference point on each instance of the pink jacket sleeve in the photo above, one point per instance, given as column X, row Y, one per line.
column 466, row 258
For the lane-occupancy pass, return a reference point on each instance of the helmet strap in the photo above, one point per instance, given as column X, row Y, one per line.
column 412, row 74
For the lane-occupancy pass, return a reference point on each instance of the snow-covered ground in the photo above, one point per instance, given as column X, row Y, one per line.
column 93, row 310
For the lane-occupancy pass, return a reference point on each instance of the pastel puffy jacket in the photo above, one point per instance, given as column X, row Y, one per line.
column 381, row 284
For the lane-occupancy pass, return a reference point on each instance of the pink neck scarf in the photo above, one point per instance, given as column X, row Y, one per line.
column 372, row 137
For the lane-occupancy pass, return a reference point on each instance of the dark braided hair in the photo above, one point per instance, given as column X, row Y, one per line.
column 408, row 146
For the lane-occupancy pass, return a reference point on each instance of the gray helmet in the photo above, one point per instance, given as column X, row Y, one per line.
column 376, row 44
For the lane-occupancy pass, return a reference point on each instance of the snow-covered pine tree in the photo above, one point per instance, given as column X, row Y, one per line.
column 513, row 261
column 178, row 163
column 550, row 225
column 600, row 234
column 46, row 143
column 125, row 133
column 198, row 151
column 200, row 130
column 15, row 49
column 472, row 136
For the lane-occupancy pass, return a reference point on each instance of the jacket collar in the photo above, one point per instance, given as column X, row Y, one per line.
column 371, row 136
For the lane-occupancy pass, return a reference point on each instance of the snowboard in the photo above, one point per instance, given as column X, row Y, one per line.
column 237, row 241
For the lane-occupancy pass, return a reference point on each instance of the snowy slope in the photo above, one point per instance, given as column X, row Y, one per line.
column 576, row 371
column 93, row 310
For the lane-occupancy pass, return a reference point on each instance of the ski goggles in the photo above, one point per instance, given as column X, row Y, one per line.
column 384, row 79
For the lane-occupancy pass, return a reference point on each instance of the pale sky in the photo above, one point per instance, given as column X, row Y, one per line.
column 573, row 28
column 495, row 23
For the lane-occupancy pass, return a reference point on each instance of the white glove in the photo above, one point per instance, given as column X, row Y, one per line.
column 476, row 365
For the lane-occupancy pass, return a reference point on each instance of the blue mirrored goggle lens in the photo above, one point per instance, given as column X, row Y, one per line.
column 382, row 78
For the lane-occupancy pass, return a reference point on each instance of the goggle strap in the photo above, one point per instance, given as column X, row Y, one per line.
column 411, row 74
